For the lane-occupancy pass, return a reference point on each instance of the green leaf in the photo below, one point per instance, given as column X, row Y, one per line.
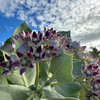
column 65, row 32
column 50, row 92
column 22, row 27
column 14, row 92
column 28, row 78
column 8, row 41
column 3, row 79
column 61, row 92
column 77, row 68
column 68, row 90
column 76, row 95
column 44, row 71
column 61, row 68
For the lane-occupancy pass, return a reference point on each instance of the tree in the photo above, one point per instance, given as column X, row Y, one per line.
column 95, row 52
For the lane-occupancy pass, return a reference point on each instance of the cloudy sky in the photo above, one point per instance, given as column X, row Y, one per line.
column 81, row 17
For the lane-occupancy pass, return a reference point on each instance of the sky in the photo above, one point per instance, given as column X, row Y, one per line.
column 81, row 17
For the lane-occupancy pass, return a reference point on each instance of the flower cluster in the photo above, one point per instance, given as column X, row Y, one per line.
column 33, row 48
column 91, row 96
column 91, row 73
column 75, row 48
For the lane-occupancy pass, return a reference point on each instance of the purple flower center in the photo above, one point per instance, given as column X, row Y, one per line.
column 25, row 62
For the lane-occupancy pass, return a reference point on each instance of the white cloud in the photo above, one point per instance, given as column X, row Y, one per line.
column 32, row 22
column 8, row 28
column 40, row 18
column 82, row 17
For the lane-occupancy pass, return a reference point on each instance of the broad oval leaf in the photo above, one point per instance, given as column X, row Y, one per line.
column 50, row 92
column 14, row 92
column 44, row 71
column 68, row 90
column 61, row 67
column 54, row 95
column 77, row 68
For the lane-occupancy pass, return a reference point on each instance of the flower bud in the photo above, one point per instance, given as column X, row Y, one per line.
column 23, row 48
column 75, row 45
column 79, row 54
column 54, row 43
column 69, row 40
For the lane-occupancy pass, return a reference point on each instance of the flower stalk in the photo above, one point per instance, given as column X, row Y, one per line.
column 24, row 80
column 37, row 76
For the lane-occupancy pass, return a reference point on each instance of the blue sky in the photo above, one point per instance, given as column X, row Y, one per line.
column 82, row 17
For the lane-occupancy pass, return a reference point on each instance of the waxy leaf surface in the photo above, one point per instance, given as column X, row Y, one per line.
column 77, row 65
column 14, row 92
column 68, row 90
column 61, row 68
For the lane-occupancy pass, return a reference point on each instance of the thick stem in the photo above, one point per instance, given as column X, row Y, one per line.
column 37, row 75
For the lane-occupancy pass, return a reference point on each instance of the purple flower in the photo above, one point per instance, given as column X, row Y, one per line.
column 24, row 48
column 39, row 54
column 90, row 58
column 89, row 71
column 90, row 96
column 54, row 43
column 25, row 61
column 8, row 65
column 66, row 48
column 23, row 37
column 51, row 51
column 49, row 34
column 9, row 47
column 95, row 85
column 83, row 48
column 36, row 39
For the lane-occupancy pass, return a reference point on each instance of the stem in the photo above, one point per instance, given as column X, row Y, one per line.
column 30, row 97
column 37, row 75
column 47, row 82
column 24, row 80
column 56, row 83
